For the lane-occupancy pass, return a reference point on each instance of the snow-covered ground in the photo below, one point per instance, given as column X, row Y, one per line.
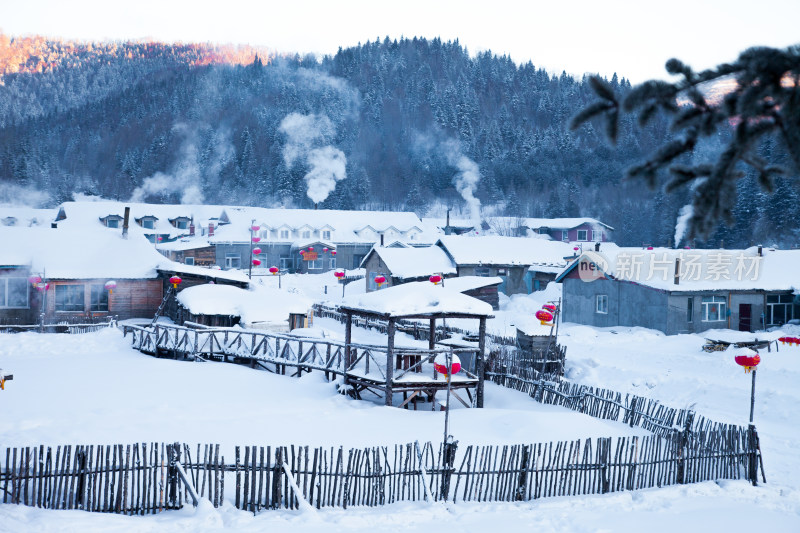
column 94, row 389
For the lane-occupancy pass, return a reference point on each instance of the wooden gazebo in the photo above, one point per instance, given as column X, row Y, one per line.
column 414, row 366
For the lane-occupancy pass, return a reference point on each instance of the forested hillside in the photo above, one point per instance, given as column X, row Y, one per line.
column 390, row 124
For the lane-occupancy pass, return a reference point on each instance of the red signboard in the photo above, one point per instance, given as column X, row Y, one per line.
column 310, row 256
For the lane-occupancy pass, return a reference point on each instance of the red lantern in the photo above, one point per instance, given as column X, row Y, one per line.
column 649, row 247
column 544, row 317
column 175, row 280
column 256, row 239
column 42, row 287
column 440, row 364
column 749, row 362
column 256, row 251
column 160, row 238
column 435, row 279
column 255, row 228
column 380, row 280
column 310, row 248
column 273, row 270
column 333, row 252
column 302, row 252
column 324, row 249
column 549, row 307
column 339, row 274
column 256, row 262
column 110, row 286
column 35, row 280
column 576, row 248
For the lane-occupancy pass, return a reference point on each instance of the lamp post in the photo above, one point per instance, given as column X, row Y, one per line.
column 447, row 364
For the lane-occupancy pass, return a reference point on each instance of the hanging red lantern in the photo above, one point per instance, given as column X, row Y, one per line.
column 110, row 286
column 310, row 248
column 380, row 280
column 160, row 238
column 35, row 280
column 435, row 279
column 440, row 364
column 255, row 228
column 749, row 362
column 649, row 247
column 544, row 317
column 339, row 274
column 42, row 287
column 333, row 252
column 273, row 270
column 324, row 249
column 256, row 251
column 256, row 239
column 302, row 252
column 175, row 280
column 576, row 248
column 549, row 307
column 256, row 262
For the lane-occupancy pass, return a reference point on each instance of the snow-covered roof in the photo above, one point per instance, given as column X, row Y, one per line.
column 91, row 254
column 469, row 283
column 700, row 270
column 26, row 216
column 562, row 223
column 415, row 299
column 232, row 223
column 262, row 305
column 406, row 263
column 497, row 250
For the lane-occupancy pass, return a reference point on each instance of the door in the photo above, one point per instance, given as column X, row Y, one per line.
column 744, row 317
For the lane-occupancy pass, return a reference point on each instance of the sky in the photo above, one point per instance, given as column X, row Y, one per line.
column 633, row 38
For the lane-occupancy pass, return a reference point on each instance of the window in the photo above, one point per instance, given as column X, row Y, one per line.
column 233, row 260
column 714, row 308
column 357, row 260
column 148, row 223
column 188, row 260
column 332, row 262
column 14, row 293
column 326, row 234
column 181, row 223
column 601, row 304
column 69, row 298
column 284, row 234
column 306, row 235
column 564, row 235
column 583, row 235
column 315, row 264
column 112, row 222
column 483, row 272
column 287, row 263
column 99, row 300
column 779, row 309
column 690, row 310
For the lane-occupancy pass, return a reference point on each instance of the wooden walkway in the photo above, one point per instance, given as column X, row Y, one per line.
column 362, row 367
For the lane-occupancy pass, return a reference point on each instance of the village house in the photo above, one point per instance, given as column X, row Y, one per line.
column 683, row 291
column 573, row 230
column 65, row 274
column 404, row 264
column 518, row 261
column 225, row 236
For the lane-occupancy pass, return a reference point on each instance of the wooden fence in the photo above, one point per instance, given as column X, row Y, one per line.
column 80, row 324
column 141, row 479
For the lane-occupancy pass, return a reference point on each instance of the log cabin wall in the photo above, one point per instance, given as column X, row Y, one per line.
column 132, row 298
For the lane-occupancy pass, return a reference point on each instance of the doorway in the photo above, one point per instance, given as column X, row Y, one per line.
column 745, row 311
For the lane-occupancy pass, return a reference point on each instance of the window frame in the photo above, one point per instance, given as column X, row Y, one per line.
column 62, row 291
column 231, row 258
column 98, row 299
column 601, row 304
column 332, row 263
column 585, row 235
column 314, row 264
column 720, row 313
column 326, row 234
column 23, row 282
column 188, row 260
column 784, row 301
column 690, row 309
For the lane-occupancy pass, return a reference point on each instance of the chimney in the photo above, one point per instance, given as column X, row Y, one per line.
column 597, row 247
column 54, row 225
column 381, row 238
column 447, row 230
column 315, row 206
column 760, row 250
column 125, row 222
column 677, row 271
column 191, row 228
column 210, row 229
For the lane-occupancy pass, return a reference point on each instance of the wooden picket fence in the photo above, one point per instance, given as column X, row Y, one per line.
column 139, row 479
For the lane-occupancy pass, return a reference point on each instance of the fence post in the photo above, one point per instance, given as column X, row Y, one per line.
column 80, row 491
column 752, row 455
column 448, row 461
column 632, row 412
column 604, row 477
column 522, row 482
column 174, row 454
column 683, row 438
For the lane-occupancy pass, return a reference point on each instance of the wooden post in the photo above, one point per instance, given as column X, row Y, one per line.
column 480, row 361
column 348, row 337
column 432, row 334
column 390, row 362
column 683, row 438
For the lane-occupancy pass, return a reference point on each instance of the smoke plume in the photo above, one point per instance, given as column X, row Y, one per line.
column 683, row 222
column 466, row 181
column 308, row 139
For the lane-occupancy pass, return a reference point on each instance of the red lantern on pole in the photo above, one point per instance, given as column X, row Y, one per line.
column 175, row 280
column 339, row 274
column 110, row 286
column 35, row 280
column 545, row 317
column 333, row 252
column 549, row 307
column 380, row 280
column 749, row 362
column 256, row 251
column 273, row 270
column 256, row 262
column 435, row 279
column 256, row 239
column 440, row 364
column 255, row 228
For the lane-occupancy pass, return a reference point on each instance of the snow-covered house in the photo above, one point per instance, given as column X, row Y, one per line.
column 75, row 264
column 514, row 259
column 577, row 229
column 683, row 291
column 189, row 233
column 404, row 264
